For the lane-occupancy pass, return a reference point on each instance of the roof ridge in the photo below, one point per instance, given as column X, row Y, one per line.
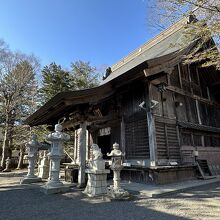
column 152, row 42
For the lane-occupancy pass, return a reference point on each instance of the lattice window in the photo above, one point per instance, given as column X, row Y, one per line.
column 136, row 137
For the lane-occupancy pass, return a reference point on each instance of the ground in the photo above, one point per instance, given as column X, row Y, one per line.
column 27, row 202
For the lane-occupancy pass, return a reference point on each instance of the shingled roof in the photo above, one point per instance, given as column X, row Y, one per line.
column 169, row 41
column 160, row 47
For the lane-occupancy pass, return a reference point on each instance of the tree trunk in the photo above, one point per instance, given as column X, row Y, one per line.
column 7, row 141
column 4, row 148
column 21, row 157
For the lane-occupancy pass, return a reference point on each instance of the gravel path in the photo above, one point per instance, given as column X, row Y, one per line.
column 27, row 202
column 200, row 203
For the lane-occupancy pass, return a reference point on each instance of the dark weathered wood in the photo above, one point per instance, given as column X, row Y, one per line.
column 151, row 129
column 123, row 135
column 184, row 93
column 82, row 155
column 180, row 78
column 199, row 82
column 167, row 143
column 165, row 120
column 152, row 139
column 198, row 112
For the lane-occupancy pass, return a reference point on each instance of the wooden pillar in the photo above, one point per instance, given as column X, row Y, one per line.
column 180, row 77
column 82, row 155
column 151, row 128
column 198, row 112
column 122, row 135
column 75, row 144
column 152, row 139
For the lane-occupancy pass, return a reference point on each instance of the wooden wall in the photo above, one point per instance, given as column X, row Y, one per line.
column 167, row 141
column 189, row 99
column 135, row 119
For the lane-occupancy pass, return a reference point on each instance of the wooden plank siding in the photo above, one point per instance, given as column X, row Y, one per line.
column 198, row 107
column 135, row 123
column 137, row 146
column 186, row 106
column 167, row 141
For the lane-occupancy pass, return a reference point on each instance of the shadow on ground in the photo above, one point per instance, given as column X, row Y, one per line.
column 27, row 202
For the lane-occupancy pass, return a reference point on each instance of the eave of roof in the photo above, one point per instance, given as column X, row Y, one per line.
column 199, row 127
column 154, row 52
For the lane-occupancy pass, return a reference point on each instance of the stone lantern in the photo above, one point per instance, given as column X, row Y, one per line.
column 32, row 148
column 115, row 190
column 57, row 139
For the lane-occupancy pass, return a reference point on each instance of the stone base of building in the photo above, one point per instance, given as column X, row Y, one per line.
column 167, row 175
column 159, row 174
column 47, row 189
column 97, row 182
column 28, row 180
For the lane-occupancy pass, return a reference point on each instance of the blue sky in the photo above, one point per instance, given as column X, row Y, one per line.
column 99, row 31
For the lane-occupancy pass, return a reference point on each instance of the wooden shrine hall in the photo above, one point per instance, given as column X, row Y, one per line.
column 164, row 114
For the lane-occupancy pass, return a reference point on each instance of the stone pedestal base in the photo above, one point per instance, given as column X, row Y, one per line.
column 118, row 193
column 97, row 182
column 47, row 189
column 31, row 179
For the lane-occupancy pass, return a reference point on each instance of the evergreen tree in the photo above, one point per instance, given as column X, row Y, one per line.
column 55, row 80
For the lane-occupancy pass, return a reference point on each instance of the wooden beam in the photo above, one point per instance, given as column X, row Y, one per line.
column 198, row 112
column 151, row 128
column 122, row 135
column 167, row 143
column 94, row 120
column 184, row 93
column 180, row 78
column 164, row 120
column 82, row 155
column 190, row 78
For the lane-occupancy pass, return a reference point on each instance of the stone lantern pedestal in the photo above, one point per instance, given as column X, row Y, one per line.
column 32, row 148
column 97, row 174
column 54, row 185
column 115, row 191
column 97, row 182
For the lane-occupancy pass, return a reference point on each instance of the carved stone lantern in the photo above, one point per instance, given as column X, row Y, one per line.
column 32, row 148
column 116, row 155
column 57, row 139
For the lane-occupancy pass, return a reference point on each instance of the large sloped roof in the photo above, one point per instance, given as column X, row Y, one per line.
column 163, row 45
column 167, row 42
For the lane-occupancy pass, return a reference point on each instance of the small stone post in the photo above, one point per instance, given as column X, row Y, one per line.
column 32, row 148
column 7, row 168
column 54, row 185
column 44, row 166
column 116, row 191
